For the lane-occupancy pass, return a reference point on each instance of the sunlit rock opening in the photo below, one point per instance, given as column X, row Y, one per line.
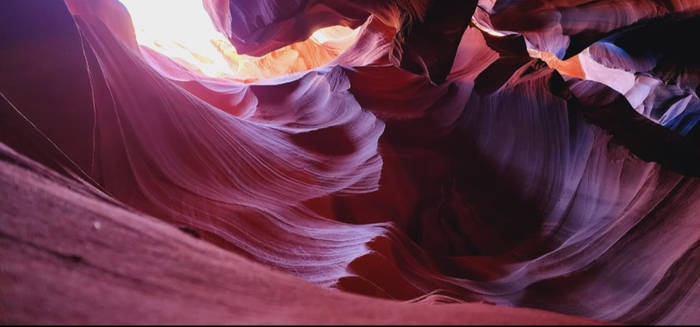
column 183, row 31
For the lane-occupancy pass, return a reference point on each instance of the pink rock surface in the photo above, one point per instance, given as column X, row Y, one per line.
column 93, row 260
column 434, row 161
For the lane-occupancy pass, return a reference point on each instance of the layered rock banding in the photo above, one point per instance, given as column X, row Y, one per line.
column 536, row 154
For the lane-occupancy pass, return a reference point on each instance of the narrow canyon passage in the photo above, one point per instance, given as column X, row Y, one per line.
column 337, row 161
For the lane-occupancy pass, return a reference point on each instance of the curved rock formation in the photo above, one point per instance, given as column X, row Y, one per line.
column 441, row 157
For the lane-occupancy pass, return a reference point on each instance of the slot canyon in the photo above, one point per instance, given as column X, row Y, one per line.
column 349, row 162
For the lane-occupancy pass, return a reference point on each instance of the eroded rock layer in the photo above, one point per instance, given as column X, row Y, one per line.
column 448, row 155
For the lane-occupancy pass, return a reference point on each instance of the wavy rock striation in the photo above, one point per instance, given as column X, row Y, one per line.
column 434, row 161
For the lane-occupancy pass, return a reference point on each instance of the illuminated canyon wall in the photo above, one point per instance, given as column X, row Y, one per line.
column 451, row 161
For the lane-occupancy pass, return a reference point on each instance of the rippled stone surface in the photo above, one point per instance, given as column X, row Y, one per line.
column 529, row 154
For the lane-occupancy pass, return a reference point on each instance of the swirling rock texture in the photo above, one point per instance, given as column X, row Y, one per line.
column 532, row 154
